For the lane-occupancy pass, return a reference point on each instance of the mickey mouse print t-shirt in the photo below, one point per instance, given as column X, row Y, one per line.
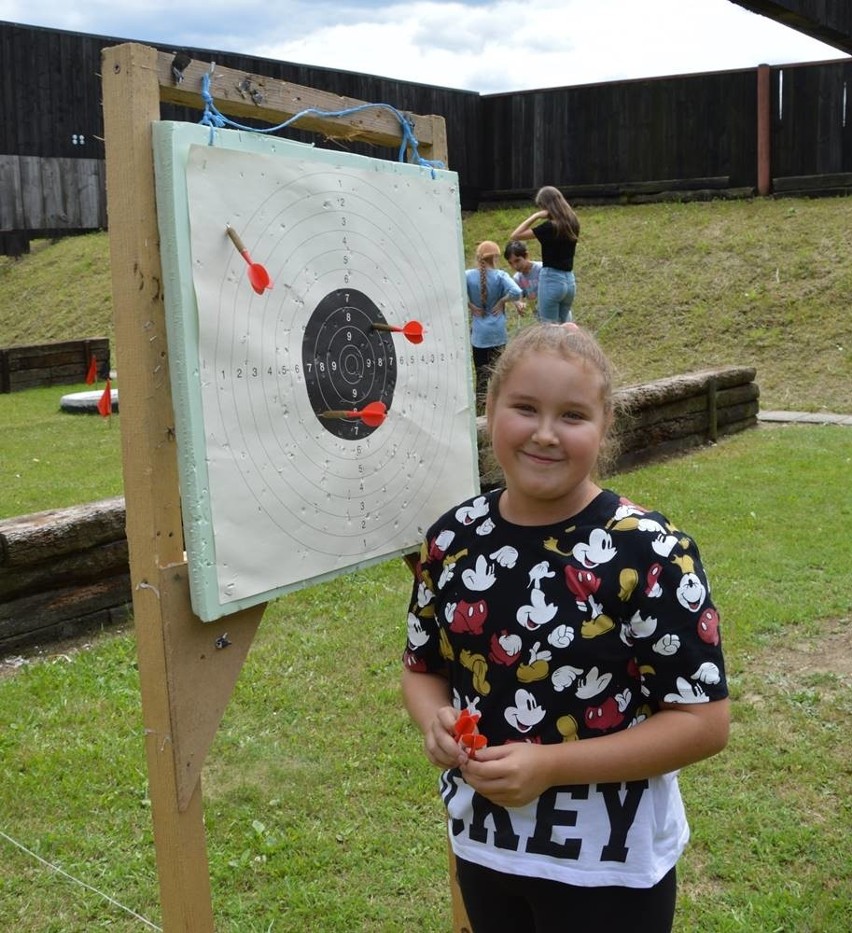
column 559, row 634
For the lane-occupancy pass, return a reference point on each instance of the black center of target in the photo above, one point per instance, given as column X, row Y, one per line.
column 347, row 363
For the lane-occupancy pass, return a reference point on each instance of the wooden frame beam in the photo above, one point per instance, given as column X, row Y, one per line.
column 244, row 95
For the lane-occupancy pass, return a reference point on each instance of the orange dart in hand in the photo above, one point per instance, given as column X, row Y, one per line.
column 466, row 734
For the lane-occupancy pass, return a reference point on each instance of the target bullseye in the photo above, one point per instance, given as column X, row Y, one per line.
column 349, row 360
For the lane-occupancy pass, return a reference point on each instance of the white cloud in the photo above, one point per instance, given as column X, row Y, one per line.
column 506, row 46
column 478, row 46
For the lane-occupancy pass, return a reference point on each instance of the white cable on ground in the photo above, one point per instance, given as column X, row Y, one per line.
column 83, row 884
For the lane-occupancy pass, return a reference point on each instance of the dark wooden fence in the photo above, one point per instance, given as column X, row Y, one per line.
column 50, row 114
column 59, row 195
column 694, row 131
column 689, row 136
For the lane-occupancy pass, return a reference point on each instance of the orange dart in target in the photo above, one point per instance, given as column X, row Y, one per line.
column 372, row 414
column 412, row 331
column 257, row 274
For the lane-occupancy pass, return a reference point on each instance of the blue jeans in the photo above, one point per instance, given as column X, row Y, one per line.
column 556, row 290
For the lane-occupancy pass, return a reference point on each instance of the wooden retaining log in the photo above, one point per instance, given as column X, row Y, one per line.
column 684, row 425
column 828, row 185
column 63, row 609
column 664, row 448
column 60, row 362
column 44, row 536
column 63, row 572
column 79, row 567
column 674, row 388
column 37, row 633
column 632, row 417
column 659, row 419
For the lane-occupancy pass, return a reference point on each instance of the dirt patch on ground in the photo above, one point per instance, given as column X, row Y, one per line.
column 58, row 652
column 830, row 652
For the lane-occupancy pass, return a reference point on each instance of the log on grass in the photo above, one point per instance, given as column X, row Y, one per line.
column 54, row 607
column 72, row 627
column 79, row 567
column 42, row 536
column 674, row 388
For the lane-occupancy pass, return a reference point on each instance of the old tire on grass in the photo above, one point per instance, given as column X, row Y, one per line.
column 86, row 403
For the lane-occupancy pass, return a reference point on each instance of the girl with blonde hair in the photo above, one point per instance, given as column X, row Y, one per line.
column 488, row 290
column 563, row 662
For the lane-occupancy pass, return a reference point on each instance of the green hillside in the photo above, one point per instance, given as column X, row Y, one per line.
column 669, row 288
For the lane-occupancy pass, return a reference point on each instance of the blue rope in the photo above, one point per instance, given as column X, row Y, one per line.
column 216, row 120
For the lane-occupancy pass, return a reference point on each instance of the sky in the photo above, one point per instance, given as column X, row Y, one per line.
column 478, row 45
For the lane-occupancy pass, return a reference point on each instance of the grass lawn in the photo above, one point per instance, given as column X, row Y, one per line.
column 321, row 811
column 320, row 808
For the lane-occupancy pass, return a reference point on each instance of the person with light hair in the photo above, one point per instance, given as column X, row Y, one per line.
column 488, row 291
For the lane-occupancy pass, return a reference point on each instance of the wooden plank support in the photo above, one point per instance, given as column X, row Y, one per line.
column 764, row 130
column 152, row 501
column 239, row 94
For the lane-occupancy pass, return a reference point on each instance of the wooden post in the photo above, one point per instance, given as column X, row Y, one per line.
column 187, row 669
column 152, row 501
column 764, row 130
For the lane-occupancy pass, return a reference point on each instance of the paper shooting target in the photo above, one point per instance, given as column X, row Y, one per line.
column 323, row 422
column 346, row 362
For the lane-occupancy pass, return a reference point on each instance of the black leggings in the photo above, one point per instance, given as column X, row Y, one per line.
column 501, row 903
column 483, row 359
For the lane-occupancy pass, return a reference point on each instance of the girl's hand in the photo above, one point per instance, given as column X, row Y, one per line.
column 439, row 741
column 508, row 775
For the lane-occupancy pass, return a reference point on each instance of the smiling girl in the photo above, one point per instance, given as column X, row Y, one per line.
column 571, row 633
